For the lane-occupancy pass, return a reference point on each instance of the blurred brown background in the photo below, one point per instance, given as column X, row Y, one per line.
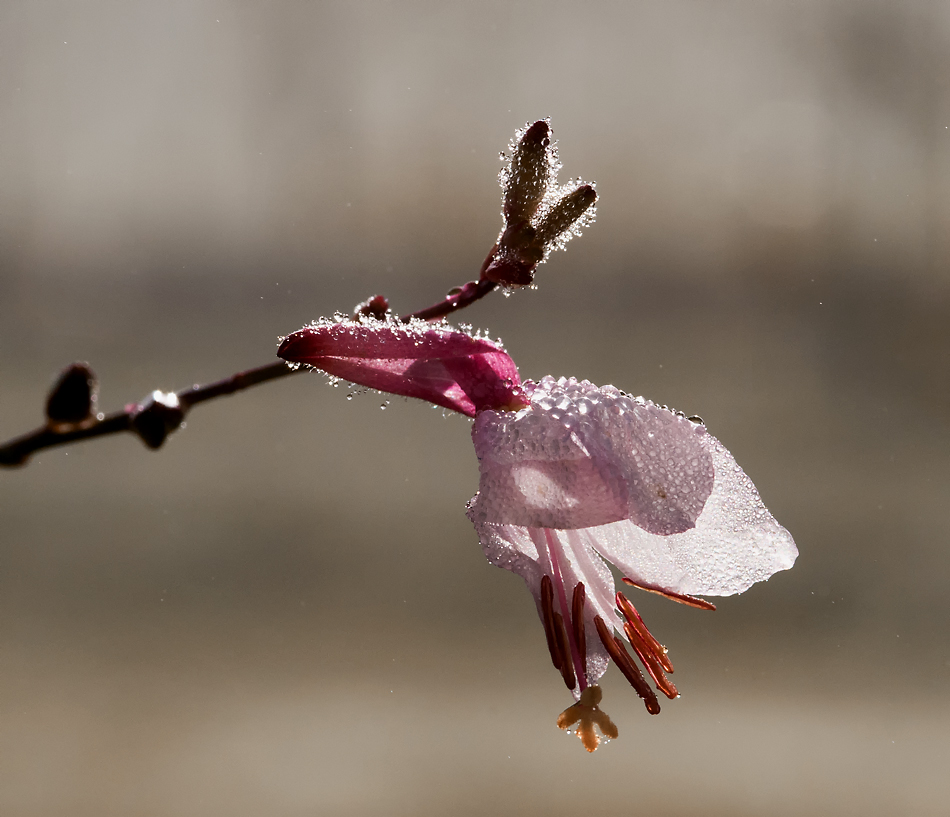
column 285, row 611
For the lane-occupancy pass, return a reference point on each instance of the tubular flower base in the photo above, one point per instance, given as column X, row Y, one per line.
column 585, row 474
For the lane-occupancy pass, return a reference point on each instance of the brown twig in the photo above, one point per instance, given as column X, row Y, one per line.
column 529, row 234
column 158, row 415
column 460, row 297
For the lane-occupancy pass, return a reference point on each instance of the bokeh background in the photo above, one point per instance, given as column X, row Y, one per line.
column 285, row 610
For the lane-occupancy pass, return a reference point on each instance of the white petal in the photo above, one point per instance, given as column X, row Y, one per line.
column 736, row 541
column 580, row 456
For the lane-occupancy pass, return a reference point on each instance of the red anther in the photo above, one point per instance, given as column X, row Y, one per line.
column 567, row 666
column 624, row 662
column 682, row 598
column 651, row 662
column 547, row 619
column 577, row 621
column 633, row 617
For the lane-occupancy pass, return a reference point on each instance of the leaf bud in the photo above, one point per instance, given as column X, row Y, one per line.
column 72, row 399
column 539, row 216
column 529, row 175
column 568, row 214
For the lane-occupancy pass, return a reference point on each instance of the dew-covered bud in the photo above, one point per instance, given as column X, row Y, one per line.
column 156, row 417
column 539, row 216
column 567, row 216
column 73, row 397
column 531, row 171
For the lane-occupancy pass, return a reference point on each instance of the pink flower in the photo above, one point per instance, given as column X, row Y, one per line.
column 585, row 475
column 573, row 477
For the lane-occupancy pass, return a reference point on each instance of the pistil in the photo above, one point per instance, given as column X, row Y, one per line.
column 577, row 620
column 588, row 714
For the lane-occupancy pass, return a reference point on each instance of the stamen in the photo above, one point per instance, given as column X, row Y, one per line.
column 633, row 617
column 547, row 619
column 682, row 598
column 567, row 666
column 577, row 621
column 651, row 662
column 624, row 662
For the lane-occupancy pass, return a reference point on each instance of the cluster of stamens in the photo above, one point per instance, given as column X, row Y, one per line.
column 567, row 643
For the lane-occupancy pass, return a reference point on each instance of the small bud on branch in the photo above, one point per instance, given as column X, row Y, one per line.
column 539, row 217
column 533, row 168
column 72, row 399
